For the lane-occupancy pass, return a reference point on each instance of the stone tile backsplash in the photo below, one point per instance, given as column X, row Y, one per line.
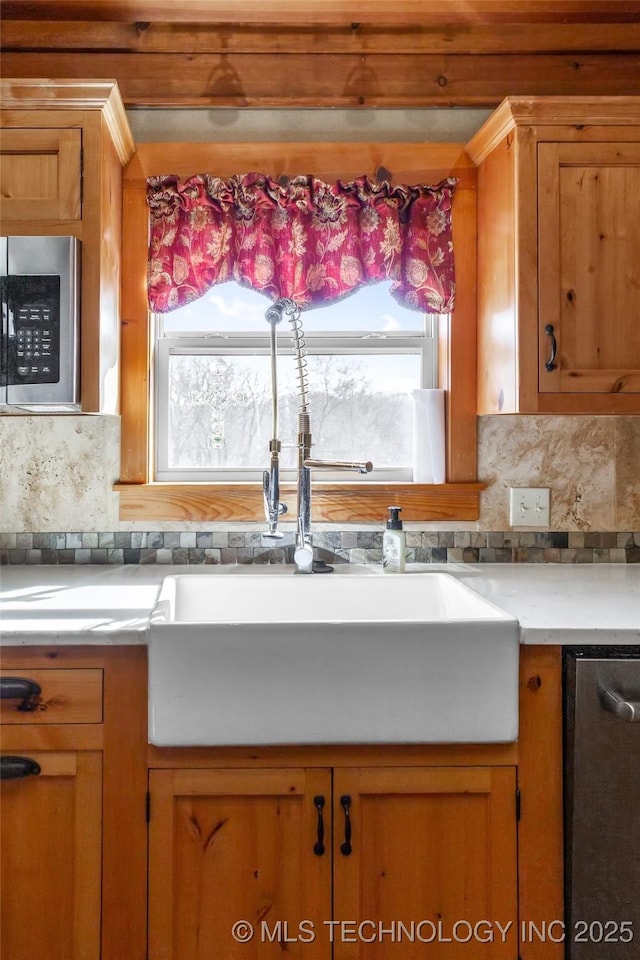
column 246, row 547
column 590, row 464
column 57, row 473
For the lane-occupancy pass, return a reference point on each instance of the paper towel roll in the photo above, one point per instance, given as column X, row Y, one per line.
column 428, row 436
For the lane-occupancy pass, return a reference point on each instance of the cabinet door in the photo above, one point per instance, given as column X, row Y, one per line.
column 589, row 267
column 430, row 848
column 41, row 174
column 234, row 846
column 50, row 859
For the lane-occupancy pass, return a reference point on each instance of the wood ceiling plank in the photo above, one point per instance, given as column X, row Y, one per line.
column 238, row 80
column 25, row 35
column 326, row 11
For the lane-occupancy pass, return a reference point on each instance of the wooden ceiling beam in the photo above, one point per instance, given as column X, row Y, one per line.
column 326, row 11
column 305, row 80
column 20, row 35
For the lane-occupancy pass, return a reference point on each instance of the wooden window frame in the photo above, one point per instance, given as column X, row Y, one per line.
column 143, row 499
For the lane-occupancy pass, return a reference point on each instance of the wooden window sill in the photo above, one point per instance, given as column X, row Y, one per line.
column 331, row 502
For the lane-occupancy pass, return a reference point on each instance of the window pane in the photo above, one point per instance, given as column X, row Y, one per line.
column 231, row 308
column 220, row 409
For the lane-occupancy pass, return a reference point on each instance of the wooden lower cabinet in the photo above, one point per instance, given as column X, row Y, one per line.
column 233, row 846
column 50, row 858
column 91, row 871
column 416, row 856
column 434, row 854
column 73, row 838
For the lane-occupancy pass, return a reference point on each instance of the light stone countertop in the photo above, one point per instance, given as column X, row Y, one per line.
column 554, row 603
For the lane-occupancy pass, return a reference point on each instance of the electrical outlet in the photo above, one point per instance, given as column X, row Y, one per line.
column 529, row 506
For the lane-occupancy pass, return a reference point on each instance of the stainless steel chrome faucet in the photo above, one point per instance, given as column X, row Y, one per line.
column 274, row 509
column 303, row 553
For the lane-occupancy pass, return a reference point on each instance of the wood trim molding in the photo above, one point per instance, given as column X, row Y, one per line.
column 124, row 863
column 140, row 497
column 335, row 755
column 540, row 831
column 407, row 162
column 103, row 95
column 332, row 503
column 552, row 112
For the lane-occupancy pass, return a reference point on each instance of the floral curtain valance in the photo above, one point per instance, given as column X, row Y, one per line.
column 307, row 240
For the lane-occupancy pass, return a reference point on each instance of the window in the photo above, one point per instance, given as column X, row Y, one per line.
column 142, row 496
column 365, row 355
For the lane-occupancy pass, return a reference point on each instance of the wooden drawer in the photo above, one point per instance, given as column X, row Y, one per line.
column 66, row 696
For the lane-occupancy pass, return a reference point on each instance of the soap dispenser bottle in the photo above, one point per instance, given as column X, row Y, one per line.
column 393, row 543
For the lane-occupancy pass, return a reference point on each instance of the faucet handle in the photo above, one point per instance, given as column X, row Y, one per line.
column 273, row 508
column 265, row 495
column 303, row 558
column 357, row 465
column 271, row 535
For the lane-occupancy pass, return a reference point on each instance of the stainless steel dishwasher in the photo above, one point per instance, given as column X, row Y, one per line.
column 602, row 803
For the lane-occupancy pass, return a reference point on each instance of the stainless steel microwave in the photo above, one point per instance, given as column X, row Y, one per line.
column 39, row 345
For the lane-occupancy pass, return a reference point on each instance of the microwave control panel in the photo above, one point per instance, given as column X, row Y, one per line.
column 40, row 332
column 33, row 343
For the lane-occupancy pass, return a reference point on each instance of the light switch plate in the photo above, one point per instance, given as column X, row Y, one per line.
column 529, row 506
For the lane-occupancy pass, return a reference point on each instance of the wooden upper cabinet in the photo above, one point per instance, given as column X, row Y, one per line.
column 63, row 146
column 559, row 256
column 589, row 267
column 40, row 176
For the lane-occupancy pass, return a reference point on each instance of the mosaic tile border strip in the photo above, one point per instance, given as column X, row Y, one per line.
column 229, row 547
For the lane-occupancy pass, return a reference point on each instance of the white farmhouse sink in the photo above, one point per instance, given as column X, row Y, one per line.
column 264, row 659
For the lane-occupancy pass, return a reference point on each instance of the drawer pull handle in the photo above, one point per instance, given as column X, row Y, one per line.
column 551, row 362
column 624, row 709
column 345, row 847
column 318, row 847
column 18, row 688
column 16, row 768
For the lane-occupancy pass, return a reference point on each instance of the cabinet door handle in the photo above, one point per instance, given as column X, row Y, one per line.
column 15, row 768
column 318, row 847
column 345, row 803
column 551, row 362
column 19, row 688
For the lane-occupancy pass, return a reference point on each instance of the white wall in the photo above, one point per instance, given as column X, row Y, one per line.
column 331, row 125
